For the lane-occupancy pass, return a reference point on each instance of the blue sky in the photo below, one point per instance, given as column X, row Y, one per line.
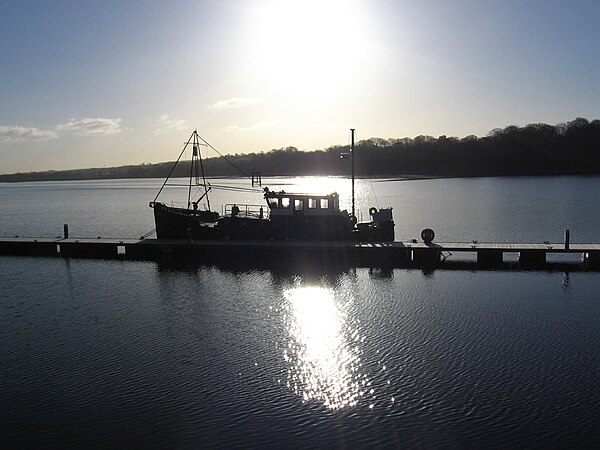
column 102, row 83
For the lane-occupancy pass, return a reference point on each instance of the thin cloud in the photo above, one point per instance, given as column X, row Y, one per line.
column 168, row 123
column 235, row 102
column 91, row 126
column 14, row 134
column 260, row 126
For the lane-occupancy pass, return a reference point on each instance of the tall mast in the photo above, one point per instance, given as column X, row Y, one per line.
column 206, row 189
column 196, row 168
column 352, row 157
column 192, row 164
column 173, row 168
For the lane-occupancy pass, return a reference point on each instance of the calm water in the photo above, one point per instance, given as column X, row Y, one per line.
column 141, row 354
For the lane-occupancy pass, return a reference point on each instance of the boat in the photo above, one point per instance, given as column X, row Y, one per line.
column 284, row 216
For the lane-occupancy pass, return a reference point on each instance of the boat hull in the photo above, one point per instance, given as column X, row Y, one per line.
column 175, row 223
column 331, row 228
column 178, row 223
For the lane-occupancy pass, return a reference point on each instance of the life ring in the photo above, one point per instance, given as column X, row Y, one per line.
column 372, row 211
column 427, row 235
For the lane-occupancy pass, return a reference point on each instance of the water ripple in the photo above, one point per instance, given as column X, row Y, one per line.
column 110, row 354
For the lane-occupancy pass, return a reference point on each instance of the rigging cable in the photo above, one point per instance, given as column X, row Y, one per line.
column 225, row 158
column 235, row 188
column 174, row 165
column 195, row 139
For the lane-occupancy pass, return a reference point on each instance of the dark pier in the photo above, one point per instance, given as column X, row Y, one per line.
column 475, row 255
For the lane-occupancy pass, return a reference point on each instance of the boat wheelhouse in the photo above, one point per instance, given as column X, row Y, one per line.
column 308, row 216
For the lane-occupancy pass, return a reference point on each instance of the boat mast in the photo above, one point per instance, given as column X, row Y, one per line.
column 352, row 158
column 206, row 189
column 193, row 164
column 173, row 168
column 195, row 168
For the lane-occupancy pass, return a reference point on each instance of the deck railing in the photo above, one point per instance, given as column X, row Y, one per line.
column 257, row 211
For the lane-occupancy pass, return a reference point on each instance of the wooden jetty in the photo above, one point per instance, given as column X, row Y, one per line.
column 533, row 256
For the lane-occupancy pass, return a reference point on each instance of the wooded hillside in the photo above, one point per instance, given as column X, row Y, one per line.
column 571, row 148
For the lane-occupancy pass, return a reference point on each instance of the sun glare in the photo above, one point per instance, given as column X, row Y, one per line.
column 318, row 185
column 306, row 47
column 324, row 365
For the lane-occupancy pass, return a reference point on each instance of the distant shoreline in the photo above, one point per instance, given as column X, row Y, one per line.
column 567, row 149
column 379, row 179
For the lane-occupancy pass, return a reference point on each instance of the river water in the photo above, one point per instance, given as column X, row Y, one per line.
column 145, row 354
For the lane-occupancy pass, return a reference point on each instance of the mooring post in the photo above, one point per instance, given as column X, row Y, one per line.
column 66, row 228
column 567, row 239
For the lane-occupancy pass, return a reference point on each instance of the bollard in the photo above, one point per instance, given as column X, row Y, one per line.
column 66, row 228
column 567, row 239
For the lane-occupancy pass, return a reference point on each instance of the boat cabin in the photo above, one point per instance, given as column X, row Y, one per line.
column 288, row 204
column 308, row 216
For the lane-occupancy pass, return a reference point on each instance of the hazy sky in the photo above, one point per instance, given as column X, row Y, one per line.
column 102, row 83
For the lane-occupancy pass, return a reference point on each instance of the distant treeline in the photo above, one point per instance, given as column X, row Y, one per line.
column 571, row 148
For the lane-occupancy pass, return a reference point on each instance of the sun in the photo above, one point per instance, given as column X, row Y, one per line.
column 307, row 48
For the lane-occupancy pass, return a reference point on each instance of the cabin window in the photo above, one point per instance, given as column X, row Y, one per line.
column 312, row 203
column 324, row 203
column 285, row 202
column 298, row 205
column 273, row 202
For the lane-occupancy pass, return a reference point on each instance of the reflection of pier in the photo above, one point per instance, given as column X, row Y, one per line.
column 396, row 254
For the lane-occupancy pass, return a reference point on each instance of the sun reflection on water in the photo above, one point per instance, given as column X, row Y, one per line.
column 322, row 354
